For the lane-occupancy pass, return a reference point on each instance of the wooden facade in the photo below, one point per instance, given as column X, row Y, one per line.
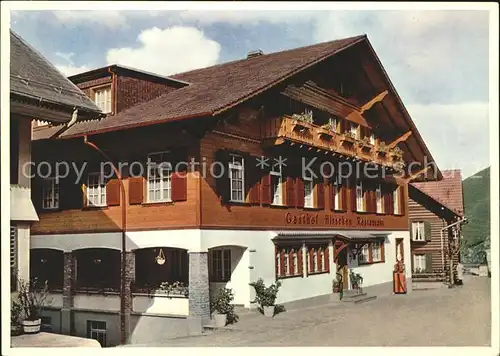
column 433, row 216
column 350, row 121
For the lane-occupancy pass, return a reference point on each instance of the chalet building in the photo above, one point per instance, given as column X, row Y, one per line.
column 38, row 91
column 237, row 201
column 432, row 207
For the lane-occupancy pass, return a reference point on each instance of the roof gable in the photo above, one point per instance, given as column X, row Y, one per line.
column 32, row 76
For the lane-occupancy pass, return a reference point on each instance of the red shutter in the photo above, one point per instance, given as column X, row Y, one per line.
column 343, row 196
column 276, row 262
column 113, row 192
column 402, row 199
column 300, row 261
column 221, row 170
column 290, row 192
column 136, row 190
column 320, row 189
column 252, row 180
column 310, row 251
column 254, row 194
column 266, row 189
column 319, row 262
column 329, row 198
column 290, row 261
column 179, row 186
column 353, row 194
column 282, row 262
column 391, row 200
column 327, row 259
column 299, row 192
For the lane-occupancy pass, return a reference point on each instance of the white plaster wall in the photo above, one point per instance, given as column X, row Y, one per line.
column 23, row 248
column 382, row 272
column 55, row 300
column 297, row 288
column 159, row 304
column 97, row 302
column 188, row 239
column 239, row 282
column 24, row 152
column 70, row 242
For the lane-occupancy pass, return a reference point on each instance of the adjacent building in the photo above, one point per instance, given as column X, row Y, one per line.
column 38, row 91
column 251, row 190
column 433, row 206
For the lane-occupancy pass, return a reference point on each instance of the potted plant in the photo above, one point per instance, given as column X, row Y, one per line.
column 222, row 307
column 32, row 298
column 266, row 296
column 336, row 286
column 306, row 116
column 356, row 279
column 15, row 314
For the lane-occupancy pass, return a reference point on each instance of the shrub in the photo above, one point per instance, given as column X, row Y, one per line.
column 265, row 296
column 32, row 298
column 221, row 303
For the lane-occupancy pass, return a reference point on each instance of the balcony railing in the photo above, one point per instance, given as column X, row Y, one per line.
column 277, row 130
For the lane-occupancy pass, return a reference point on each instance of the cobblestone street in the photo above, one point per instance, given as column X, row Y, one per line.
column 441, row 317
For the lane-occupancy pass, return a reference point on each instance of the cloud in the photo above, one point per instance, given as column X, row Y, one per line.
column 69, row 70
column 168, row 51
column 457, row 135
column 107, row 18
column 245, row 17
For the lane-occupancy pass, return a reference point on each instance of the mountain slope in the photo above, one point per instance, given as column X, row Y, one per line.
column 476, row 190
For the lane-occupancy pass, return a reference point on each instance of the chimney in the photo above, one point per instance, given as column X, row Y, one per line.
column 256, row 53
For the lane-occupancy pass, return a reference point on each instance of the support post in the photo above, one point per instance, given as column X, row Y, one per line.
column 199, row 291
column 69, row 280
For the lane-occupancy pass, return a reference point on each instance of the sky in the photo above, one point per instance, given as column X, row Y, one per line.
column 436, row 59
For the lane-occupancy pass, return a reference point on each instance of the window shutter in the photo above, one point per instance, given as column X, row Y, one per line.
column 266, row 189
column 179, row 186
column 282, row 262
column 36, row 193
column 327, row 259
column 310, row 251
column 84, row 194
column 113, row 192
column 320, row 201
column 299, row 193
column 382, row 251
column 252, row 180
column 428, row 262
column 343, row 196
column 353, row 194
column 330, row 191
column 136, row 190
column 300, row 260
column 390, row 200
column 290, row 261
column 221, row 170
column 290, row 192
column 319, row 262
column 410, row 224
column 402, row 199
column 69, row 193
column 427, row 231
column 276, row 263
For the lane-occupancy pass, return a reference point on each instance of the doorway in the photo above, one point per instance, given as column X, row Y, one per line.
column 342, row 267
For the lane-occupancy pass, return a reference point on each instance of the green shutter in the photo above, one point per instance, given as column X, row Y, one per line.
column 427, row 231
column 428, row 262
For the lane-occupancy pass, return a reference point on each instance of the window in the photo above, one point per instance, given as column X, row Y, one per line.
column 380, row 201
column 360, row 206
column 334, row 124
column 355, row 131
column 376, row 252
column 419, row 263
column 288, row 261
column 372, row 139
column 396, row 200
column 50, row 194
column 150, row 274
column 308, row 193
column 97, row 330
column 364, row 256
column 97, row 268
column 317, row 259
column 372, row 252
column 47, row 265
column 96, row 190
column 159, row 177
column 277, row 185
column 220, row 265
column 236, row 178
column 337, row 186
column 418, row 230
column 102, row 98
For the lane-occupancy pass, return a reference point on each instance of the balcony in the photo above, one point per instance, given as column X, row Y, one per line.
column 278, row 130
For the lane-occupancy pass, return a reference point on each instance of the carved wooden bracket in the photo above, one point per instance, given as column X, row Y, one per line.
column 399, row 139
column 372, row 102
column 337, row 248
column 415, row 175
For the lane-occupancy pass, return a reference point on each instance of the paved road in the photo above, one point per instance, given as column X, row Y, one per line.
column 443, row 317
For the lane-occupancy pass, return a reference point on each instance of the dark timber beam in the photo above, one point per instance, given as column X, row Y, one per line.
column 372, row 102
column 399, row 139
